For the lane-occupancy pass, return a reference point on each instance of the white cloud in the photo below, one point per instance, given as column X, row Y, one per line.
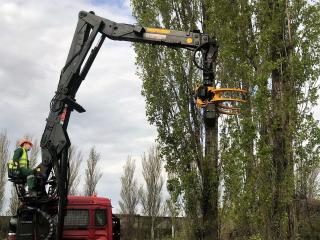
column 34, row 45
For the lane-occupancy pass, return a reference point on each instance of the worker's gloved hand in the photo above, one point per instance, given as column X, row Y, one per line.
column 37, row 172
column 15, row 163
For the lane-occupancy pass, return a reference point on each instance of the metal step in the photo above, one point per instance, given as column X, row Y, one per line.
column 26, row 222
column 25, row 236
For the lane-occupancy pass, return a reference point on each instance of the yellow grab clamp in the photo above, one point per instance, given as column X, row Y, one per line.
column 223, row 99
column 217, row 90
column 218, row 94
column 215, row 96
column 201, row 103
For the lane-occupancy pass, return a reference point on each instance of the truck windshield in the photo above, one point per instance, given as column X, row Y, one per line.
column 76, row 218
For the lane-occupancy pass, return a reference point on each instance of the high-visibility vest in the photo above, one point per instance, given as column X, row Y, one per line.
column 23, row 161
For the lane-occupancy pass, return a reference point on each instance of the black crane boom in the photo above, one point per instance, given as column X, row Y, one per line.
column 55, row 141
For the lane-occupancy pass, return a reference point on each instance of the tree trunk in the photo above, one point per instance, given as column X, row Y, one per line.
column 283, row 224
column 210, row 176
column 152, row 228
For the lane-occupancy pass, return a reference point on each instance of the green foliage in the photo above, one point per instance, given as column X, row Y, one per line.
column 168, row 80
column 250, row 54
column 270, row 153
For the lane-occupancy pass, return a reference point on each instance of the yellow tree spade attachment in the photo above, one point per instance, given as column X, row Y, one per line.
column 222, row 98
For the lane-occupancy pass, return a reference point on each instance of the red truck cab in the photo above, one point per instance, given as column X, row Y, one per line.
column 86, row 217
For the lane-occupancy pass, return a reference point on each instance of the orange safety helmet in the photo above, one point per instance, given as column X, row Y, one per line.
column 25, row 140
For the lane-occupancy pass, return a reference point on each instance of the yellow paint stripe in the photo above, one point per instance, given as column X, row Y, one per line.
column 158, row 30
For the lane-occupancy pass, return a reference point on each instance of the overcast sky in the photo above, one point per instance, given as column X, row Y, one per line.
column 34, row 43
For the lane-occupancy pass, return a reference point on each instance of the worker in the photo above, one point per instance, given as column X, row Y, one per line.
column 20, row 159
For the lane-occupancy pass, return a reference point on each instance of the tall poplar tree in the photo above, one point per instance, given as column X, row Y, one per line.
column 92, row 173
column 75, row 159
column 151, row 193
column 129, row 196
column 169, row 77
column 4, row 157
column 271, row 48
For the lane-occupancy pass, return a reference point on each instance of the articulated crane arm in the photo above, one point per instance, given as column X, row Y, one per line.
column 55, row 141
